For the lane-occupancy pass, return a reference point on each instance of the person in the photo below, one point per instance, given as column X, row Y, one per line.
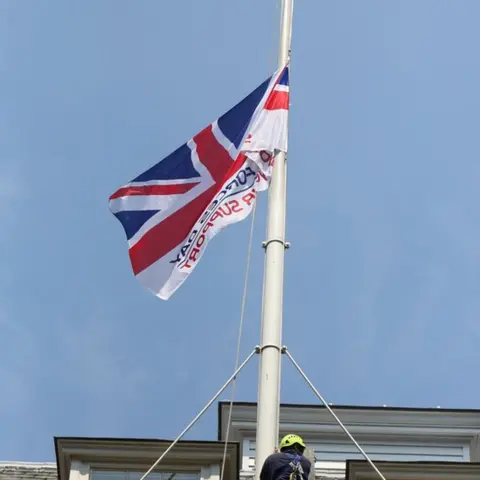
column 289, row 463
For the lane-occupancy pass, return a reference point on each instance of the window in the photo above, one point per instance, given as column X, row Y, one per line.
column 109, row 475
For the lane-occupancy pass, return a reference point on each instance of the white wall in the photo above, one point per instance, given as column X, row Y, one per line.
column 332, row 454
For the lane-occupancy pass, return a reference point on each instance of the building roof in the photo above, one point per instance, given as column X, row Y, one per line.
column 139, row 454
column 226, row 403
column 28, row 471
column 382, row 419
column 361, row 470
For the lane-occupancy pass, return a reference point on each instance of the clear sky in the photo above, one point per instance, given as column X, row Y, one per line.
column 382, row 299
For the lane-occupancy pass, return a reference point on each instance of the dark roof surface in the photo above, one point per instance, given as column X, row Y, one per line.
column 226, row 403
column 28, row 471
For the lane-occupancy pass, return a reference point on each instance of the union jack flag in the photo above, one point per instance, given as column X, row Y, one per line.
column 171, row 211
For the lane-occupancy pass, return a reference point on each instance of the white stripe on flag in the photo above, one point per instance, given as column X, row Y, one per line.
column 224, row 141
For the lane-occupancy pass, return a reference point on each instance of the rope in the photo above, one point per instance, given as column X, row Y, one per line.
column 327, row 406
column 239, row 337
column 256, row 350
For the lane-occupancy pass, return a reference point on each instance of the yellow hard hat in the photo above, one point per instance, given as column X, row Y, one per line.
column 291, row 439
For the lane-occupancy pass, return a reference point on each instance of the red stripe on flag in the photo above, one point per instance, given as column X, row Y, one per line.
column 234, row 168
column 153, row 190
column 172, row 231
column 212, row 154
column 277, row 101
column 169, row 233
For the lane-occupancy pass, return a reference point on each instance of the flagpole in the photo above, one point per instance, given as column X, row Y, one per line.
column 268, row 410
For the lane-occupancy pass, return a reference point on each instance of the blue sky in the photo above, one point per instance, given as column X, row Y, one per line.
column 382, row 299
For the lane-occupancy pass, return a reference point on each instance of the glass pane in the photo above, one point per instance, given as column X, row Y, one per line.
column 180, row 476
column 108, row 476
column 139, row 475
column 104, row 475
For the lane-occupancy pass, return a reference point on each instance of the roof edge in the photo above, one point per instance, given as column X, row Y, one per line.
column 136, row 439
column 223, row 403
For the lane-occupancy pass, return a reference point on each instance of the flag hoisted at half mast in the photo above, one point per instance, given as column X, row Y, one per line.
column 171, row 211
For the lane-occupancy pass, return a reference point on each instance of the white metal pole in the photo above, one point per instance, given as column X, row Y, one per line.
column 271, row 332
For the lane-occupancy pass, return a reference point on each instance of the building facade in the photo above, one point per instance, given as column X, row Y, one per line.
column 405, row 444
column 391, row 436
